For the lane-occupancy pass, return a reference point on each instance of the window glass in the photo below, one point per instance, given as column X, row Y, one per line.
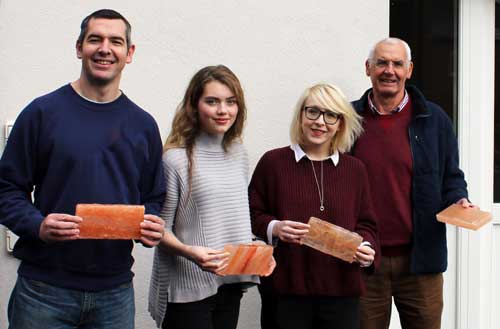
column 430, row 27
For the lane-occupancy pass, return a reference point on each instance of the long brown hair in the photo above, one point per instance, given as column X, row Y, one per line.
column 186, row 124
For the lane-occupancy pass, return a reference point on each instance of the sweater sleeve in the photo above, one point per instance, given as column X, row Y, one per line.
column 258, row 194
column 173, row 186
column 18, row 168
column 153, row 179
column 366, row 225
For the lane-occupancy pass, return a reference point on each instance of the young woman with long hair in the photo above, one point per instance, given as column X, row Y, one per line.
column 206, row 168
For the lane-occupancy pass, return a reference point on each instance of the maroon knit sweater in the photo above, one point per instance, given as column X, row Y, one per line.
column 284, row 189
column 384, row 148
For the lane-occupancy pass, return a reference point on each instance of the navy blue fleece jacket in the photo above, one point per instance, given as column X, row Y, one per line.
column 436, row 183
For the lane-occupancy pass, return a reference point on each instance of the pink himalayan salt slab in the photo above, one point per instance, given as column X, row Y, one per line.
column 248, row 259
column 332, row 239
column 470, row 218
column 110, row 221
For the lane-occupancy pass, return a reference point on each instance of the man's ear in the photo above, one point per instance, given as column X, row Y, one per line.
column 410, row 70
column 78, row 47
column 367, row 68
column 130, row 53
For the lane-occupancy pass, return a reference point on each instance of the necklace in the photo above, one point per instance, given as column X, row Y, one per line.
column 321, row 191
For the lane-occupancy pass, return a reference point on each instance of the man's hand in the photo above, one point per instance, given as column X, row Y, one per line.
column 152, row 230
column 59, row 227
column 465, row 203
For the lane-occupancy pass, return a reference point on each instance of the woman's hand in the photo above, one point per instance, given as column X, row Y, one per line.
column 272, row 262
column 290, row 231
column 207, row 259
column 365, row 255
column 270, row 269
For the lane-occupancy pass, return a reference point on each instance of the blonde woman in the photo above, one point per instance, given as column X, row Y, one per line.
column 314, row 177
column 206, row 168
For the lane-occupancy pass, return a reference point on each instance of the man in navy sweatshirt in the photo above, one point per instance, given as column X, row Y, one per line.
column 411, row 154
column 85, row 142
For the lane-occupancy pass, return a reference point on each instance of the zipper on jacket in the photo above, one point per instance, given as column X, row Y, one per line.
column 410, row 135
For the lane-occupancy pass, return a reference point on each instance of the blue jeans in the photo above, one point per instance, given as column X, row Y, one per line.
column 35, row 305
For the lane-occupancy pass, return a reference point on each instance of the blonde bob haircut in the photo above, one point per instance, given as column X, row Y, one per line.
column 329, row 97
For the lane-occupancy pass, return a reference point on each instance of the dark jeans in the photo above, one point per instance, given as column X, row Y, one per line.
column 418, row 297
column 219, row 311
column 268, row 309
column 299, row 312
column 35, row 305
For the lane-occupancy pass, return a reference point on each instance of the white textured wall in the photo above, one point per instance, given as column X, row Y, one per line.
column 277, row 48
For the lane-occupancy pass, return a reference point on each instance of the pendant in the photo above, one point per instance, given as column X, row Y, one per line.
column 321, row 208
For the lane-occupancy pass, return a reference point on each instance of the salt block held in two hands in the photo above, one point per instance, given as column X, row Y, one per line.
column 110, row 221
column 332, row 239
column 471, row 218
column 249, row 259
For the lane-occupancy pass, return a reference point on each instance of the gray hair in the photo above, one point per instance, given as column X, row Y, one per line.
column 391, row 41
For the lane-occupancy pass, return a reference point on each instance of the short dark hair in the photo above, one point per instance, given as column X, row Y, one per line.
column 108, row 14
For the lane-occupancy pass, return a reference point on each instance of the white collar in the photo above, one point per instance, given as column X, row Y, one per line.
column 299, row 154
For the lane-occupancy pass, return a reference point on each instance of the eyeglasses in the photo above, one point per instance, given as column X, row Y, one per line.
column 313, row 113
column 384, row 63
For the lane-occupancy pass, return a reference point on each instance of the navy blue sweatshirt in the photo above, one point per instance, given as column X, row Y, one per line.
column 69, row 150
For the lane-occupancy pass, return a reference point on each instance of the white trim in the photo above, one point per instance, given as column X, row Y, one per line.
column 475, row 135
column 495, row 211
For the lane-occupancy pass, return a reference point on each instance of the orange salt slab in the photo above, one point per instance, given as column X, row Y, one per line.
column 471, row 218
column 110, row 221
column 248, row 259
column 332, row 239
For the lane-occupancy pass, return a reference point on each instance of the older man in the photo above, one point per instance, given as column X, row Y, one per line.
column 411, row 154
column 85, row 142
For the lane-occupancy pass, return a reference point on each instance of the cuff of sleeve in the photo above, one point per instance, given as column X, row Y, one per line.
column 366, row 243
column 270, row 239
column 152, row 208
column 35, row 227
